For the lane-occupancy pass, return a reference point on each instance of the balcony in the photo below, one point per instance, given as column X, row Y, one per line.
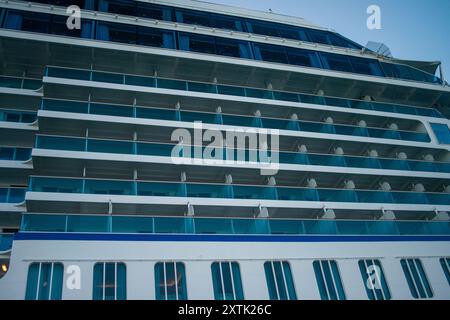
column 296, row 158
column 223, row 191
column 231, row 120
column 222, row 226
column 20, row 83
column 6, row 240
column 12, row 195
column 15, row 154
column 17, row 116
column 191, row 86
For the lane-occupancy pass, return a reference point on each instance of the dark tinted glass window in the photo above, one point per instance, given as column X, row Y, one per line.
column 336, row 62
column 197, row 43
column 150, row 37
column 151, row 11
column 263, row 28
column 293, row 33
column 303, row 58
column 116, row 32
column 233, row 48
column 86, row 4
column 365, row 66
column 191, row 17
column 59, row 27
column 124, row 7
column 223, row 22
column 29, row 21
column 319, row 36
column 270, row 53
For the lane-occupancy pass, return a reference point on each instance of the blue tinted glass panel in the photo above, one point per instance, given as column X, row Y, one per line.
column 442, row 132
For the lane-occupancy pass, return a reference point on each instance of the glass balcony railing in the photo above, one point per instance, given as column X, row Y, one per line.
column 165, row 150
column 197, row 190
column 226, row 119
column 12, row 195
column 15, row 154
column 6, row 240
column 226, row 226
column 20, row 83
column 17, row 116
column 154, row 82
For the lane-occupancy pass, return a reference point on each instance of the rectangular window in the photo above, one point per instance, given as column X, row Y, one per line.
column 336, row 62
column 227, row 282
column 318, row 36
column 122, row 7
column 155, row 38
column 445, row 263
column 293, row 33
column 110, row 281
column 233, row 48
column 303, row 58
column 442, row 132
column 170, row 281
column 366, row 66
column 417, row 280
column 152, row 11
column 263, row 28
column 374, row 280
column 83, row 4
column 116, row 32
column 197, row 43
column 329, row 280
column 45, row 281
column 28, row 21
column 193, row 17
column 270, row 53
column 279, row 280
column 227, row 23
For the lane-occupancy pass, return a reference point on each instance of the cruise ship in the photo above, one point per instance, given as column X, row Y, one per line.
column 185, row 150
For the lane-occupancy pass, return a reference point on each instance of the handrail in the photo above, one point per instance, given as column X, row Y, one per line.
column 45, row 142
column 245, row 121
column 269, row 94
column 235, row 191
column 226, row 226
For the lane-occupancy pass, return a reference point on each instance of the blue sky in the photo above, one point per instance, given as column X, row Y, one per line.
column 412, row 29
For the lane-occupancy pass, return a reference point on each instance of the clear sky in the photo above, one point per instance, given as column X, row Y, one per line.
column 412, row 29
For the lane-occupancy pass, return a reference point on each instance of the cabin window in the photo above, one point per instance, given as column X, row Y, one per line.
column 227, row 282
column 329, row 280
column 279, row 280
column 374, row 280
column 170, row 281
column 417, row 279
column 45, row 281
column 110, row 281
